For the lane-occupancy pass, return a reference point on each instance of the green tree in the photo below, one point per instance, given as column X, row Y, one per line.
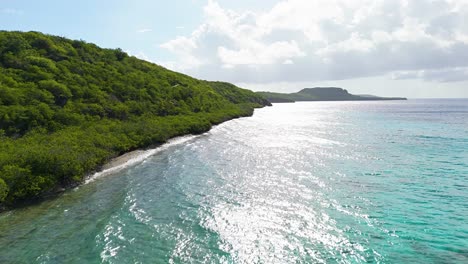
column 60, row 91
column 3, row 190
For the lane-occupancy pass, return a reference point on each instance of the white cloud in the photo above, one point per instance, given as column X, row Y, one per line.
column 140, row 55
column 303, row 40
column 260, row 54
column 184, row 48
column 456, row 74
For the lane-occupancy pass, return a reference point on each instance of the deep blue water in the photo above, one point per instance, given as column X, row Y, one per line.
column 318, row 182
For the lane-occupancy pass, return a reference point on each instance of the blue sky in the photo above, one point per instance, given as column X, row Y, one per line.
column 384, row 47
column 138, row 26
column 108, row 23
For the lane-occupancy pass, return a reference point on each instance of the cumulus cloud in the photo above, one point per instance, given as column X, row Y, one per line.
column 140, row 55
column 439, row 75
column 303, row 40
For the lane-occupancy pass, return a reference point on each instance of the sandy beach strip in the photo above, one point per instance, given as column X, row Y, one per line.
column 134, row 157
column 123, row 159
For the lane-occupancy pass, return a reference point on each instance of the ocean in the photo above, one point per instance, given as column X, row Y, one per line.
column 312, row 182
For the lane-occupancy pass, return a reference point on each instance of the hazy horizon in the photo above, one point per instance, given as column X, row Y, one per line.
column 415, row 49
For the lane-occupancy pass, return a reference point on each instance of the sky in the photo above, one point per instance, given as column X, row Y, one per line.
column 411, row 48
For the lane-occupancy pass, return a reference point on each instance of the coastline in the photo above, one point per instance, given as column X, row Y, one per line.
column 133, row 158
column 137, row 156
column 61, row 122
column 117, row 164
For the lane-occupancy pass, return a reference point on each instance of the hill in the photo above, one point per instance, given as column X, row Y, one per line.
column 67, row 107
column 321, row 94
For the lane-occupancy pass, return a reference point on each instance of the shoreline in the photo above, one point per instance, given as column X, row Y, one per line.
column 133, row 158
column 118, row 163
column 137, row 156
column 114, row 165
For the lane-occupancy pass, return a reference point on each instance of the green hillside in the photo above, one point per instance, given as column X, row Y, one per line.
column 321, row 94
column 67, row 107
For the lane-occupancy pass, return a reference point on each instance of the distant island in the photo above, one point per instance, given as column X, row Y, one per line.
column 67, row 107
column 321, row 94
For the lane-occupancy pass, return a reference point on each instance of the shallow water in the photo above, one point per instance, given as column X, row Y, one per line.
column 322, row 182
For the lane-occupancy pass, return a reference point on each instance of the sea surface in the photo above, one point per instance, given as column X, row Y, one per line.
column 316, row 182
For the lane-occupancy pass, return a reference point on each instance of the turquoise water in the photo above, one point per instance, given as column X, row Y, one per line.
column 331, row 182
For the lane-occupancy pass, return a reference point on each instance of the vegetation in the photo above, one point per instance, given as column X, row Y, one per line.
column 321, row 94
column 67, row 107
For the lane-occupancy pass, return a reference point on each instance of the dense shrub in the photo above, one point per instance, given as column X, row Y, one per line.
column 3, row 190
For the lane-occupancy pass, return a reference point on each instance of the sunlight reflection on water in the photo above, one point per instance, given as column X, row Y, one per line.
column 296, row 183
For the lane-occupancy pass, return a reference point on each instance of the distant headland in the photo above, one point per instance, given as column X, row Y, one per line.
column 321, row 94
